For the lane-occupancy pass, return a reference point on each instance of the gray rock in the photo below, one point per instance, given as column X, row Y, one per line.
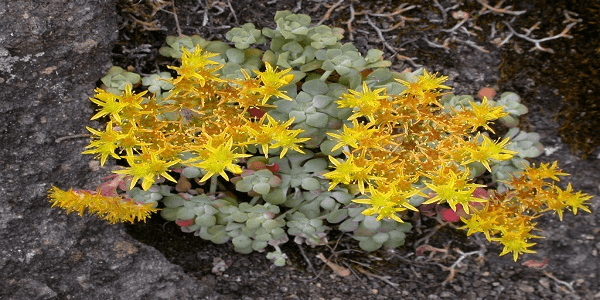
column 51, row 54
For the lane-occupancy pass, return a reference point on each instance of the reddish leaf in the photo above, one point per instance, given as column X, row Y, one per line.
column 185, row 223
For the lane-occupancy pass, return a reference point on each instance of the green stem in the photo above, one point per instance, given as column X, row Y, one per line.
column 254, row 200
column 325, row 75
column 347, row 149
column 213, row 184
column 287, row 212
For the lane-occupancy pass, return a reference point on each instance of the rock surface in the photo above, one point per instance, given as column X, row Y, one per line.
column 51, row 55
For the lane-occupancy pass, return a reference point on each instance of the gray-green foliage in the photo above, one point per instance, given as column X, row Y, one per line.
column 157, row 83
column 260, row 182
column 245, row 36
column 511, row 103
column 295, row 202
column 117, row 78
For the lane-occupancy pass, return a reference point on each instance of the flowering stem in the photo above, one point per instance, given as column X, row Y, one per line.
column 213, row 184
column 287, row 212
column 325, row 75
column 254, row 200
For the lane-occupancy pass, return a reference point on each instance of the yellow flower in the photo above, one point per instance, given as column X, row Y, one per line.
column 366, row 175
column 426, row 82
column 366, row 103
column 196, row 66
column 386, row 204
column 274, row 135
column 483, row 113
column 109, row 105
column 543, row 171
column 515, row 241
column 147, row 166
column 247, row 98
column 353, row 136
column 488, row 150
column 287, row 140
column 218, row 160
column 344, row 171
column 106, row 143
column 131, row 141
column 272, row 81
column 476, row 224
column 457, row 190
column 568, row 198
column 484, row 220
column 380, row 203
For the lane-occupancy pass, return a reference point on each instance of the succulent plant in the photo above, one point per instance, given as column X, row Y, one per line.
column 526, row 144
column 245, row 36
column 157, row 83
column 291, row 190
column 511, row 103
column 117, row 78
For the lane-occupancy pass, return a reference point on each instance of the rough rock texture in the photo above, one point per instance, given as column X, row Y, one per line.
column 51, row 54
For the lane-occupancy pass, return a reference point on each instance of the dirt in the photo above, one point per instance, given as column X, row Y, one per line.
column 566, row 265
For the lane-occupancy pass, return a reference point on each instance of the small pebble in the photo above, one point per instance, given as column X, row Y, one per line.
column 526, row 288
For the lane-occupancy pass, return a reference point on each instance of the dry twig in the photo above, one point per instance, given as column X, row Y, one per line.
column 402, row 8
column 233, row 12
column 425, row 239
column 174, row 13
column 337, row 269
column 473, row 44
column 310, row 266
column 496, row 9
column 569, row 285
column 444, row 10
column 452, row 268
column 380, row 35
column 329, row 11
column 435, row 45
column 537, row 42
column 397, row 12
column 385, row 279
column 349, row 23
column 459, row 24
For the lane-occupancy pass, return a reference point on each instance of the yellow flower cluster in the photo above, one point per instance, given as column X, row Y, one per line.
column 204, row 116
column 205, row 119
column 404, row 140
column 113, row 209
column 405, row 146
column 508, row 218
